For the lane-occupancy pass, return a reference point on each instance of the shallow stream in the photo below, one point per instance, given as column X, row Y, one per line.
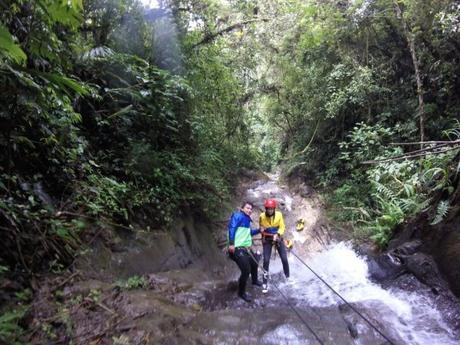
column 303, row 310
column 404, row 317
column 191, row 295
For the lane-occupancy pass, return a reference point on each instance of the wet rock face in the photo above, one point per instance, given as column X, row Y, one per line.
column 447, row 255
column 407, row 248
column 424, row 268
column 424, row 257
column 181, row 302
column 187, row 244
column 297, row 184
column 402, row 259
column 384, row 268
column 405, row 259
column 418, row 239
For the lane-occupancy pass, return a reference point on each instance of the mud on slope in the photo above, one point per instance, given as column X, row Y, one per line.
column 113, row 292
column 190, row 290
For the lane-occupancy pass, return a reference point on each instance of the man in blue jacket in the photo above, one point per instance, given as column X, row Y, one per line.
column 239, row 247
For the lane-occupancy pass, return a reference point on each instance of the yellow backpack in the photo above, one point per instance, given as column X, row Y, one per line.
column 300, row 224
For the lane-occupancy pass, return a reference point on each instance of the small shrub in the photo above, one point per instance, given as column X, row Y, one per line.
column 10, row 329
column 133, row 282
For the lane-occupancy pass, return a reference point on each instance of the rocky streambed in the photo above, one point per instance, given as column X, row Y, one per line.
column 178, row 288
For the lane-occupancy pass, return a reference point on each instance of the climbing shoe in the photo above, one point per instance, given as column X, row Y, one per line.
column 257, row 283
column 244, row 296
column 264, row 288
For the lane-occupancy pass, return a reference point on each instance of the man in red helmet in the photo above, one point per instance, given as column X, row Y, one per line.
column 272, row 227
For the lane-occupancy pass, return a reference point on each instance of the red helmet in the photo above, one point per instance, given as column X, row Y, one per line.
column 270, row 203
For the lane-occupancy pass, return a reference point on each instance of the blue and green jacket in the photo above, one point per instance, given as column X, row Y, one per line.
column 239, row 230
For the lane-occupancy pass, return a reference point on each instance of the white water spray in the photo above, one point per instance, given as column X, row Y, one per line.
column 411, row 316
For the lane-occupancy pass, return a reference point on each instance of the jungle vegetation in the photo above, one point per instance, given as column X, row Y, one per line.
column 117, row 114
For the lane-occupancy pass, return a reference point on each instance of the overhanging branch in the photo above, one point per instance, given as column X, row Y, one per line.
column 442, row 147
column 210, row 37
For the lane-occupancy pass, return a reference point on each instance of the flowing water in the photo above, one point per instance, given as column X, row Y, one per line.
column 188, row 305
column 409, row 317
column 404, row 317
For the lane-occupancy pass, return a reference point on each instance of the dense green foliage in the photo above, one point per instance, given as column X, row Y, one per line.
column 109, row 118
column 340, row 86
column 116, row 115
column 109, row 115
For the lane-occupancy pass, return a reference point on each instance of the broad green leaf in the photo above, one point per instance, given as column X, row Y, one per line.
column 63, row 11
column 24, row 78
column 66, row 83
column 9, row 48
column 121, row 111
column 63, row 233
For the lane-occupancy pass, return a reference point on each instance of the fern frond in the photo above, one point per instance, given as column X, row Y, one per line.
column 97, row 52
column 441, row 211
column 413, row 205
column 406, row 204
column 453, row 133
column 423, row 206
column 409, row 189
column 437, row 176
column 385, row 191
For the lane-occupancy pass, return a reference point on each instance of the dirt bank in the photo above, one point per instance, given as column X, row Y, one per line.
column 178, row 287
column 169, row 287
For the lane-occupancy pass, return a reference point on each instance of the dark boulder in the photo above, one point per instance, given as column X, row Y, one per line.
column 425, row 269
column 447, row 255
column 384, row 267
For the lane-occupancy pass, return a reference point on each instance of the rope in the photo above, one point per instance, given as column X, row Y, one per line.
column 298, row 314
column 343, row 299
column 287, row 301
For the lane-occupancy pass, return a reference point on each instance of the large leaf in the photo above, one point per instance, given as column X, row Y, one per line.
column 63, row 11
column 9, row 48
column 65, row 83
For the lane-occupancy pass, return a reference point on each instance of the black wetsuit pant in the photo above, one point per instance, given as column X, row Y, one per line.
column 247, row 265
column 267, row 244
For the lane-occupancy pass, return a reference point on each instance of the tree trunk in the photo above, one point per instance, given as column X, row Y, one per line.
column 411, row 43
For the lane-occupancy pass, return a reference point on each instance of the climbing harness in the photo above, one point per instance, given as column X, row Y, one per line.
column 388, row 340
column 274, row 244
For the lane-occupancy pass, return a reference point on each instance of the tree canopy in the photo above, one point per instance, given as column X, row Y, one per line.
column 115, row 113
